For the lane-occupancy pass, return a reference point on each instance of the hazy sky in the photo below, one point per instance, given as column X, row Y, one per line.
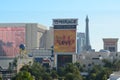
column 104, row 15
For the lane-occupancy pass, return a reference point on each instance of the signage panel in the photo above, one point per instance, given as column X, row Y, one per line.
column 64, row 40
column 65, row 27
column 65, row 21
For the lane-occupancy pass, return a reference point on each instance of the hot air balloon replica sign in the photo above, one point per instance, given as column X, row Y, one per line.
column 22, row 51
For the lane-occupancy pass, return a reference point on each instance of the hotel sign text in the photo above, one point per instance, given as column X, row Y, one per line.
column 65, row 21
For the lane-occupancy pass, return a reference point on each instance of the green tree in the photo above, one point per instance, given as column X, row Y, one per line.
column 107, row 63
column 61, row 71
column 25, row 68
column 71, row 68
column 35, row 69
column 72, row 72
column 46, row 76
column 116, row 65
column 72, row 76
column 0, row 78
column 99, row 73
column 54, row 74
column 104, row 77
column 79, row 66
column 23, row 75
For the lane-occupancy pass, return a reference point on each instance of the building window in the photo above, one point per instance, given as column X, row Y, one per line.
column 112, row 49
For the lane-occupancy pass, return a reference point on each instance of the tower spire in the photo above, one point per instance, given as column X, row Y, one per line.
column 87, row 45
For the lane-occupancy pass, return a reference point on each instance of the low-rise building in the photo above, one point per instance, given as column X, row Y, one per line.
column 89, row 59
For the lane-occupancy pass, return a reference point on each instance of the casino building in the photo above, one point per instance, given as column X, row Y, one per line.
column 14, row 34
column 64, row 41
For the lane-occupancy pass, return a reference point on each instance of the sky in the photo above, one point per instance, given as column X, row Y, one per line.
column 104, row 15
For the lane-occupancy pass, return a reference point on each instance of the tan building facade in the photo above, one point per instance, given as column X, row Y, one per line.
column 111, row 44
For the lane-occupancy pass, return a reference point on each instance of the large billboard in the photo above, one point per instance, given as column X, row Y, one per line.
column 10, row 39
column 65, row 40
